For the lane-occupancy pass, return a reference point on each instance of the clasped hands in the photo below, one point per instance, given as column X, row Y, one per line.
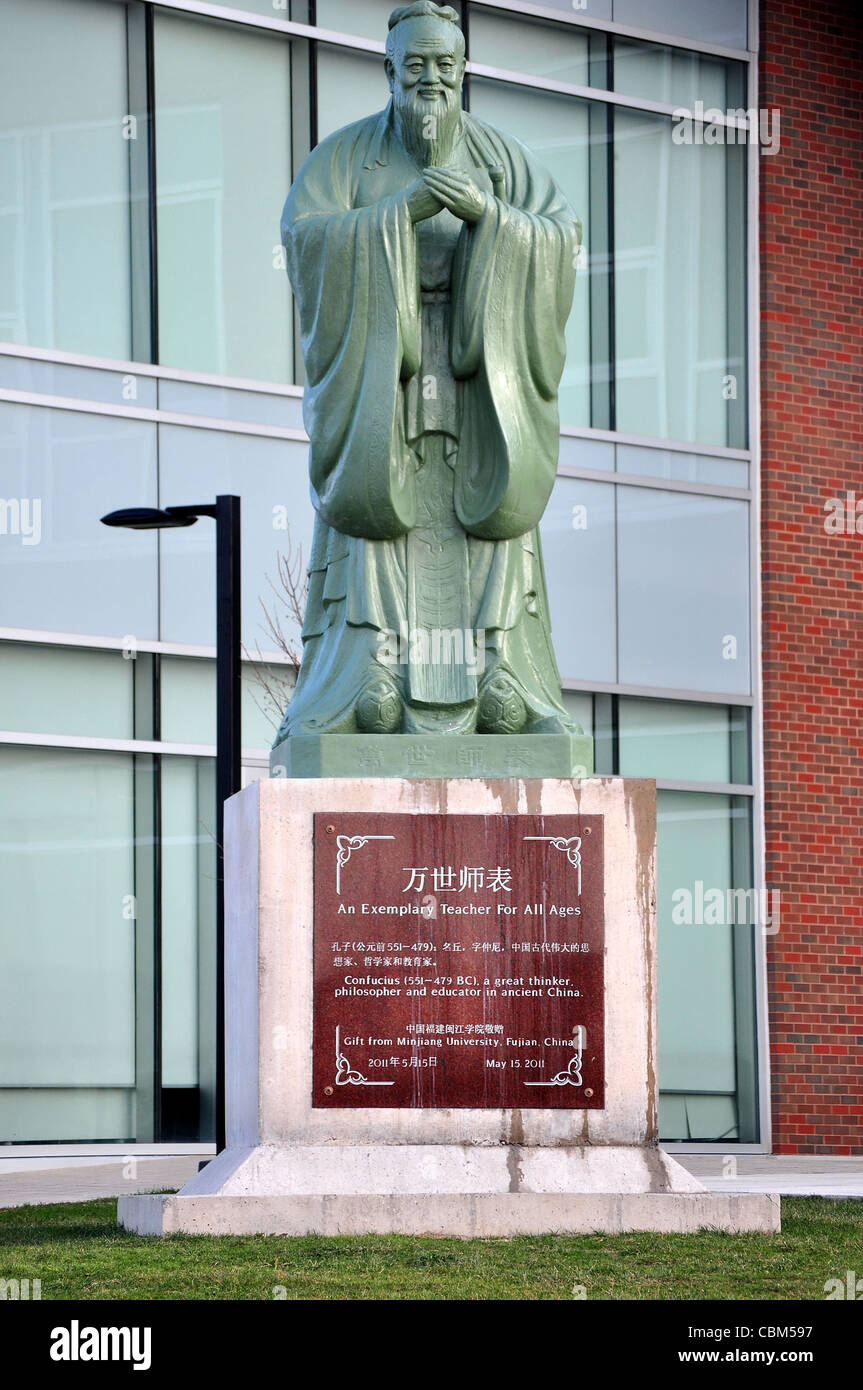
column 447, row 187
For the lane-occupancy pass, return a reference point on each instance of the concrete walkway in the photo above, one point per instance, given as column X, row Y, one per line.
column 788, row 1174
column 39, row 1181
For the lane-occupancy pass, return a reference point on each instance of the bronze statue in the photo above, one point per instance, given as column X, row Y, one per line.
column 433, row 264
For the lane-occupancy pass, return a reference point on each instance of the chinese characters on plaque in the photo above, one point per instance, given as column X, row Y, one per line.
column 458, row 961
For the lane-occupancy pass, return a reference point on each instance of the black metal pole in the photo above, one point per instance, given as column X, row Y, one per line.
column 228, row 746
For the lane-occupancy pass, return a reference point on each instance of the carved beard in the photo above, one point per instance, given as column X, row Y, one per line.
column 412, row 112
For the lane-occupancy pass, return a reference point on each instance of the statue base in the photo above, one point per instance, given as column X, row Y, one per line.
column 434, row 755
column 199, row 1210
column 332, row 1130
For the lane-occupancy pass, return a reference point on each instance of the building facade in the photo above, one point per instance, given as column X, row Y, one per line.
column 811, row 218
column 148, row 356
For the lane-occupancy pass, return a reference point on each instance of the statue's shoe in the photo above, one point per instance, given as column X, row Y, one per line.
column 554, row 724
column 501, row 708
column 379, row 710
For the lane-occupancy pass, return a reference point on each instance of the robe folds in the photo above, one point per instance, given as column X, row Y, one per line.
column 381, row 313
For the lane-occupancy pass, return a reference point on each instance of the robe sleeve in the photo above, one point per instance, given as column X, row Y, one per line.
column 355, row 277
column 513, row 283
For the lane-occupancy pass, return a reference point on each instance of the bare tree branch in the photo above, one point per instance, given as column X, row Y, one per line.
column 290, row 590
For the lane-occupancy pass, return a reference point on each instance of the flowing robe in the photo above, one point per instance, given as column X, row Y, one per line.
column 433, row 354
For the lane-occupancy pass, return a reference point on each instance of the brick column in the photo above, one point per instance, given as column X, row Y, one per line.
column 812, row 317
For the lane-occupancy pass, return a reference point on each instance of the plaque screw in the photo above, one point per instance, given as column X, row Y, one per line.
column 331, row 830
column 588, row 1093
column 587, row 830
column 328, row 1091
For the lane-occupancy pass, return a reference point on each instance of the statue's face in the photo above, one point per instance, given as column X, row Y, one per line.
column 428, row 66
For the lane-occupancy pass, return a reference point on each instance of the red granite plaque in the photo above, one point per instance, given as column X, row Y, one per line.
column 458, row 961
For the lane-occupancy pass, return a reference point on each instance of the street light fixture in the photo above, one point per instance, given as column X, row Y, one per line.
column 226, row 513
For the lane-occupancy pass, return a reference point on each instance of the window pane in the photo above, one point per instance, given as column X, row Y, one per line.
column 367, row 19
column 188, row 690
column 578, row 547
column 706, row 1047
column 267, row 689
column 679, row 286
column 184, row 821
column 271, row 477
column 297, row 10
column 80, row 383
column 67, row 987
column 60, row 569
column 586, row 453
column 544, row 50
column 579, row 707
column 722, row 22
column 673, row 75
column 556, row 131
column 188, row 948
column 224, row 168
column 229, row 403
column 596, row 9
column 63, row 690
column 350, row 86
column 685, row 468
column 64, row 177
column 683, row 567
column 672, row 739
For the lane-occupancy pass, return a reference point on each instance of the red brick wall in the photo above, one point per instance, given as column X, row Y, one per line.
column 811, row 321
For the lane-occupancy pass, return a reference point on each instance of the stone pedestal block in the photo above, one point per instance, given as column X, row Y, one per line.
column 300, row 1162
column 422, row 756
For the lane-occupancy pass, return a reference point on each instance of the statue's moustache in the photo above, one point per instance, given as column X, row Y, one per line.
column 447, row 94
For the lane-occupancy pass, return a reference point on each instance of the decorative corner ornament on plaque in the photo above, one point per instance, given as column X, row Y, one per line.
column 571, row 848
column 346, row 1075
column 571, row 1076
column 345, row 846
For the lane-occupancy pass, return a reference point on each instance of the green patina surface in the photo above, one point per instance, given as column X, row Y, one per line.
column 433, row 265
column 408, row 755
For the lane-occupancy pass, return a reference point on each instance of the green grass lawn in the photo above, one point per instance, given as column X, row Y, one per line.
column 79, row 1252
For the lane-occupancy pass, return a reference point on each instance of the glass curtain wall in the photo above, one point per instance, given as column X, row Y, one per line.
column 129, row 111
column 159, row 241
column 65, row 274
column 107, row 940
column 223, row 160
column 69, row 942
column 678, row 285
column 209, row 119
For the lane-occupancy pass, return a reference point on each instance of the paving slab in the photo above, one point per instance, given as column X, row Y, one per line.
column 39, row 1184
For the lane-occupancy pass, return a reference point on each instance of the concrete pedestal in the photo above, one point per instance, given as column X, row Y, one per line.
column 293, row 1169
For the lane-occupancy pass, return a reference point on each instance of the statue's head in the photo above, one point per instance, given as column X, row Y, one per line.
column 425, row 65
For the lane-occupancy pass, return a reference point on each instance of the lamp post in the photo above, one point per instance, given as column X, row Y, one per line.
column 226, row 513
